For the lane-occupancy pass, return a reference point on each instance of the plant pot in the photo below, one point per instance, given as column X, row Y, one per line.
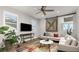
column 8, row 45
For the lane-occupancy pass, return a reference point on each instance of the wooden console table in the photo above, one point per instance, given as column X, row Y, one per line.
column 26, row 36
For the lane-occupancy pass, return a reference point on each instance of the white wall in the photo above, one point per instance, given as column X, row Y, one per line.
column 77, row 23
column 35, row 27
column 42, row 26
column 22, row 18
column 60, row 29
column 74, row 34
column 60, row 21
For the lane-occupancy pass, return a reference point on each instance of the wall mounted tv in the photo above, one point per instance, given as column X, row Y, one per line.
column 26, row 27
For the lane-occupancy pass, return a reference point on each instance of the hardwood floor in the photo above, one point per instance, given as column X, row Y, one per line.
column 35, row 45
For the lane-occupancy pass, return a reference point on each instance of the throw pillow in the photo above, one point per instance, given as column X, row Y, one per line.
column 48, row 34
column 51, row 34
column 72, row 38
column 68, row 42
column 55, row 35
column 74, row 43
column 67, row 37
column 78, row 44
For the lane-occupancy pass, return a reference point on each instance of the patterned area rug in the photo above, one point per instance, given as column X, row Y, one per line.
column 34, row 46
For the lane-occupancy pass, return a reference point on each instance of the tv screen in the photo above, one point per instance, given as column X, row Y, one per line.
column 26, row 27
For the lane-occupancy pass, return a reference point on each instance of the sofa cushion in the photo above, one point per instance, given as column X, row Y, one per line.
column 68, row 37
column 49, row 34
column 78, row 44
column 55, row 35
column 74, row 43
column 68, row 42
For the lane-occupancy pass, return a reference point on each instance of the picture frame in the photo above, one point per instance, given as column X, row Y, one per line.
column 51, row 24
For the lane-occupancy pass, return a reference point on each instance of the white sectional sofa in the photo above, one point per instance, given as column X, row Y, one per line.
column 51, row 35
column 68, row 44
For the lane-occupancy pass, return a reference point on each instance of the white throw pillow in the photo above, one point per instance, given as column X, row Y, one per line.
column 74, row 43
column 51, row 34
column 67, row 37
column 68, row 42
column 78, row 44
column 72, row 38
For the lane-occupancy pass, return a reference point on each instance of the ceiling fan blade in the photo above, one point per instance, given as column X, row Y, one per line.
column 48, row 10
column 38, row 12
column 44, row 12
column 43, row 7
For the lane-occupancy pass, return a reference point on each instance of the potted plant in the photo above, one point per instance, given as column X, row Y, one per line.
column 2, row 33
column 3, row 29
column 11, row 37
column 69, row 31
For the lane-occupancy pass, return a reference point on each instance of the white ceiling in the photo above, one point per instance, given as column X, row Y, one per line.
column 58, row 10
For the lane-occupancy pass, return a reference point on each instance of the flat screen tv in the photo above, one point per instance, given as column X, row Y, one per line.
column 26, row 27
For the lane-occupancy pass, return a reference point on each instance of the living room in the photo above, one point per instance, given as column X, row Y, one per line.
column 39, row 28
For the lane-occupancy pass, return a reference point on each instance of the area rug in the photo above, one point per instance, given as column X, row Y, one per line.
column 36, row 48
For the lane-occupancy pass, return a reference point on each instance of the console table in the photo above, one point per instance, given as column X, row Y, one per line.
column 26, row 36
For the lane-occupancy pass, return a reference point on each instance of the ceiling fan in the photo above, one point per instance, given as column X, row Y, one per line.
column 44, row 10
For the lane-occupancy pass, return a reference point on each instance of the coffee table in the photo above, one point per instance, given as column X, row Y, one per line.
column 49, row 42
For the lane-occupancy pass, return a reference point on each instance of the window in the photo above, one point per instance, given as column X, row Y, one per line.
column 10, row 19
column 68, row 26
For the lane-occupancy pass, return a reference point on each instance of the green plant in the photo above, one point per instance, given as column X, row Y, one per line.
column 2, row 49
column 11, row 37
column 69, row 31
column 3, row 29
